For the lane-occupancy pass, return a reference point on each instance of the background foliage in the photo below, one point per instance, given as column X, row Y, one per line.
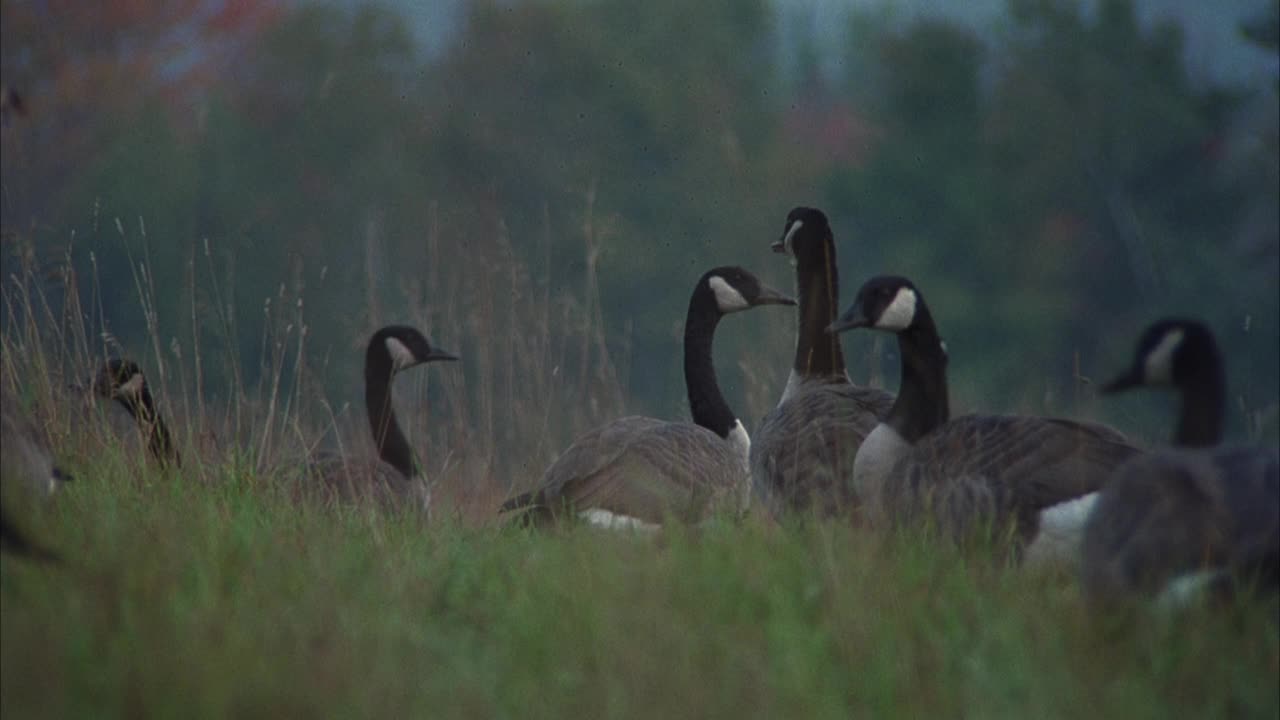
column 248, row 169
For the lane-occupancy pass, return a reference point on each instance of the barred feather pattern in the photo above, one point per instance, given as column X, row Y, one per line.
column 802, row 456
column 643, row 468
column 990, row 473
column 335, row 478
column 1176, row 512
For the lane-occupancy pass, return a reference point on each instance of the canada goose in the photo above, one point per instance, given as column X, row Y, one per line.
column 391, row 349
column 123, row 381
column 975, row 472
column 27, row 460
column 638, row 471
column 1195, row 515
column 803, row 454
column 27, row 476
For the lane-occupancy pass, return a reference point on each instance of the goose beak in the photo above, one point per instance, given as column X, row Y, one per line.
column 1128, row 379
column 437, row 355
column 769, row 296
column 852, row 318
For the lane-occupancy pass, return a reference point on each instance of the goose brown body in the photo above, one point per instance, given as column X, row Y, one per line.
column 643, row 472
column 392, row 478
column 974, row 473
column 803, row 455
column 1196, row 509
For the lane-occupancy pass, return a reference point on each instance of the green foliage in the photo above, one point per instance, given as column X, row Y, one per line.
column 1076, row 174
column 1052, row 189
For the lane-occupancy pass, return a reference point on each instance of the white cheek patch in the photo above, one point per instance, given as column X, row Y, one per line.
column 900, row 313
column 401, row 357
column 133, row 386
column 791, row 233
column 1158, row 368
column 727, row 296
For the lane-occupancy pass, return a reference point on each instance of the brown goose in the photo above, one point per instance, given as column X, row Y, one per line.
column 639, row 472
column 123, row 381
column 396, row 476
column 976, row 472
column 28, row 476
column 802, row 459
column 1195, row 515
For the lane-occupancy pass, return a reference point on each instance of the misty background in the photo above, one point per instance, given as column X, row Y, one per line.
column 1053, row 175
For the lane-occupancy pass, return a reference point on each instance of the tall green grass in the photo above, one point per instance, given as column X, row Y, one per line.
column 212, row 590
column 228, row 598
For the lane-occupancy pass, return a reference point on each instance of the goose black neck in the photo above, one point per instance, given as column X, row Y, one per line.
column 392, row 446
column 818, row 353
column 922, row 404
column 1204, row 400
column 142, row 408
column 706, row 403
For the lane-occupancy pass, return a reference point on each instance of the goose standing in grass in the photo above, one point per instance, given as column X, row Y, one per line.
column 123, row 381
column 1195, row 515
column 638, row 472
column 975, row 473
column 28, row 476
column 395, row 475
column 802, row 459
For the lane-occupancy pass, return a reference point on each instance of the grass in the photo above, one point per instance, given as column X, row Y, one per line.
column 210, row 590
column 198, row 599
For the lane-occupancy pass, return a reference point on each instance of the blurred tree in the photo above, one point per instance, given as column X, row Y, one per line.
column 1120, row 200
column 1054, row 200
column 652, row 120
column 81, row 67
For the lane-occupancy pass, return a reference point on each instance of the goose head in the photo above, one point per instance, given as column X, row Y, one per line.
column 1171, row 352
column 805, row 236
column 120, row 380
column 886, row 302
column 398, row 347
column 734, row 289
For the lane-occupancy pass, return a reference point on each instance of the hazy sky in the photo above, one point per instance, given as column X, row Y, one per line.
column 1215, row 48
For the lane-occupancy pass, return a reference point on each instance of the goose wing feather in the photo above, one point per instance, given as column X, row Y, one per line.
column 643, row 468
column 336, row 477
column 1178, row 511
column 996, row 468
column 802, row 455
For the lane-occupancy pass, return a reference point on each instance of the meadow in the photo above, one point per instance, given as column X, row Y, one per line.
column 212, row 590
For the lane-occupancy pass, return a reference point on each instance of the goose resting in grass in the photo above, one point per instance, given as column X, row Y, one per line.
column 1195, row 516
column 640, row 472
column 1033, row 476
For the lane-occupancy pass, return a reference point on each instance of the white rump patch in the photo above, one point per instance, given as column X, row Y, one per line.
column 1061, row 533
column 900, row 313
column 601, row 518
column 791, row 233
column 1186, row 590
column 727, row 296
column 1158, row 368
column 401, row 356
column 132, row 386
